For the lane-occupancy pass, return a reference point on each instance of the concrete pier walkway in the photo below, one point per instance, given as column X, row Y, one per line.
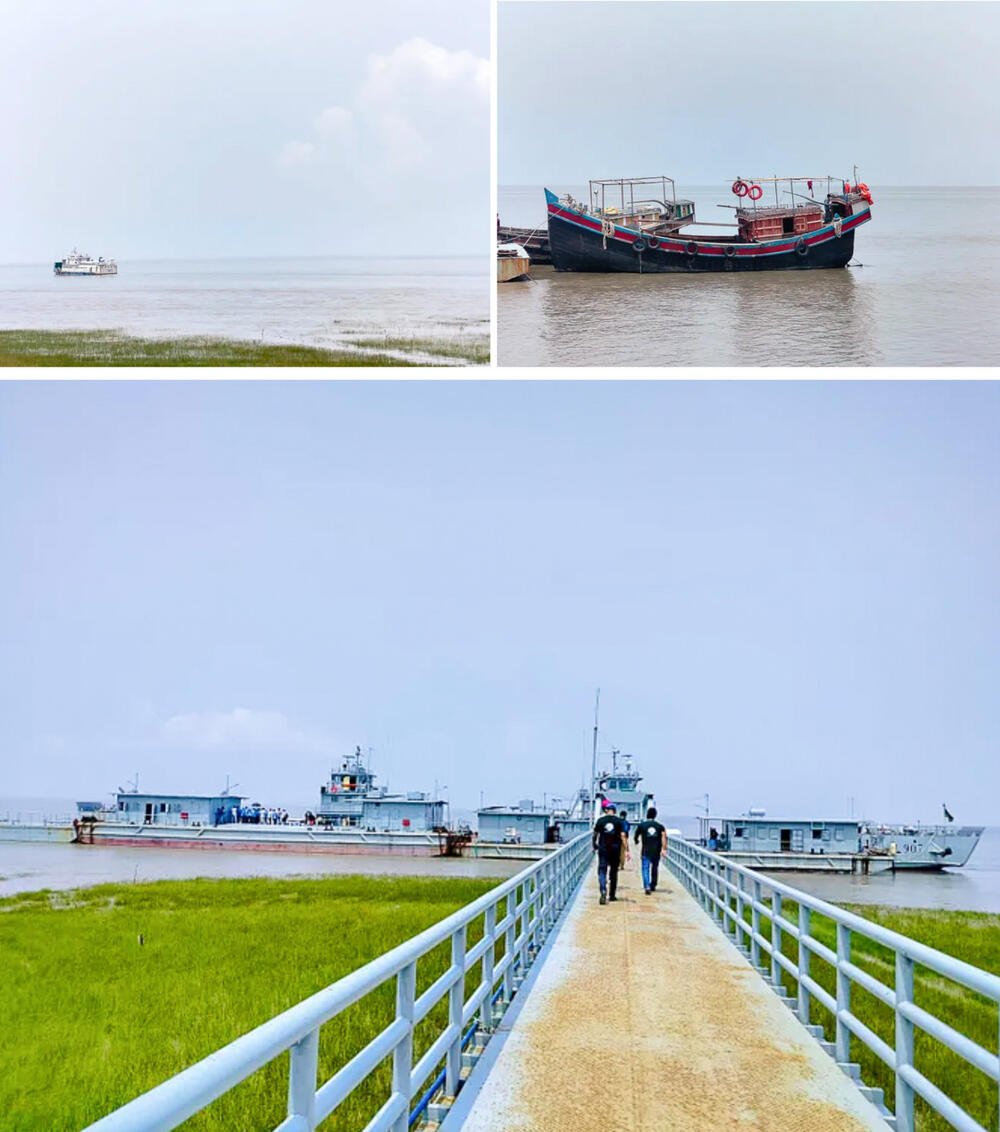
column 645, row 1019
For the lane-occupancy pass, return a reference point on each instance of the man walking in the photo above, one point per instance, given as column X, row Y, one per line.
column 654, row 845
column 611, row 844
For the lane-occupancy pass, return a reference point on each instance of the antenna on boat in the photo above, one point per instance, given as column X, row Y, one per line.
column 593, row 755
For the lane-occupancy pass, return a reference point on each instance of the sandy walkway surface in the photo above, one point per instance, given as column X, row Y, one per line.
column 645, row 1019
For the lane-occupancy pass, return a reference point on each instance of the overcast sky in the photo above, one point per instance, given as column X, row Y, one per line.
column 243, row 127
column 787, row 592
column 705, row 91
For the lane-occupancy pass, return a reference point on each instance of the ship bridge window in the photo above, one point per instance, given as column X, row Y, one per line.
column 738, row 831
column 817, row 834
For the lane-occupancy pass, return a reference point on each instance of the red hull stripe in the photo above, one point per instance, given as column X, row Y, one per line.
column 629, row 235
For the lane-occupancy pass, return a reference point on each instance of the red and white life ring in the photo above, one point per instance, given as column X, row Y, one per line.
column 755, row 192
column 740, row 188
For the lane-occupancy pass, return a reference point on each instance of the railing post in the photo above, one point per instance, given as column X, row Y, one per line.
column 304, row 1059
column 508, row 975
column 803, row 961
column 904, row 1043
column 843, row 993
column 456, row 1000
column 738, row 922
column 489, row 930
column 402, row 1055
column 730, row 904
column 716, row 892
column 775, row 938
column 755, row 925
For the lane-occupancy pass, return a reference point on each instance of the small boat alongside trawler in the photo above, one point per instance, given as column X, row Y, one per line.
column 635, row 224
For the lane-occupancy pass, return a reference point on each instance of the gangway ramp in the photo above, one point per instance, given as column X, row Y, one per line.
column 644, row 1018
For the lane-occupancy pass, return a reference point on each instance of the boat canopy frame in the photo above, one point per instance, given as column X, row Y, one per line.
column 600, row 186
column 776, row 181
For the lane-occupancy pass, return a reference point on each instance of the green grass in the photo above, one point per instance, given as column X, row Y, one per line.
column 93, row 1018
column 475, row 350
column 111, row 348
column 971, row 936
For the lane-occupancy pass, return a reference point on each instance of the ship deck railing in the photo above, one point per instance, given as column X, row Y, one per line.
column 516, row 916
column 742, row 900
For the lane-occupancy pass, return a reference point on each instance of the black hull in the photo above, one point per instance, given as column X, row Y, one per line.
column 575, row 248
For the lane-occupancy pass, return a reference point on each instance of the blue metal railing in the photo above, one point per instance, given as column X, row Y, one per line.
column 520, row 912
column 728, row 891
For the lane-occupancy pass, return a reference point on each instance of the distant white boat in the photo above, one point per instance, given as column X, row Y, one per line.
column 78, row 263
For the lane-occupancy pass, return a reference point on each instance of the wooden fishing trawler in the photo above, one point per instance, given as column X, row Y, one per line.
column 625, row 228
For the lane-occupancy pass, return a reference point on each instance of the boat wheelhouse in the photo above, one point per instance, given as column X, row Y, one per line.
column 620, row 786
column 623, row 228
column 79, row 263
column 351, row 800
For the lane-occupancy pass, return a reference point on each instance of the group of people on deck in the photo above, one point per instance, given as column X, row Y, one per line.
column 610, row 839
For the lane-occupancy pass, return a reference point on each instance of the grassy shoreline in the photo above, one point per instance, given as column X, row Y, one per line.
column 113, row 348
column 119, row 1014
column 121, row 986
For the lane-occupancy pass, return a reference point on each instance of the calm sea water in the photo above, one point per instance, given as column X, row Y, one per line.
column 927, row 295
column 317, row 301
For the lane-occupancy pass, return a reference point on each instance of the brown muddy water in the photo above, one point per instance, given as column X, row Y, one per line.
column 28, row 866
column 927, row 294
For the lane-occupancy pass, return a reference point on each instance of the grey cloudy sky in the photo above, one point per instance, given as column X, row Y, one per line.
column 787, row 592
column 243, row 127
column 706, row 91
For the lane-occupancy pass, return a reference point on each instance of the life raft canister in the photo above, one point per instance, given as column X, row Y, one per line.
column 755, row 192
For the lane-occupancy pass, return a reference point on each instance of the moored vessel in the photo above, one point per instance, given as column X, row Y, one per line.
column 79, row 263
column 535, row 241
column 635, row 224
column 837, row 844
column 353, row 816
column 922, row 846
column 513, row 263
